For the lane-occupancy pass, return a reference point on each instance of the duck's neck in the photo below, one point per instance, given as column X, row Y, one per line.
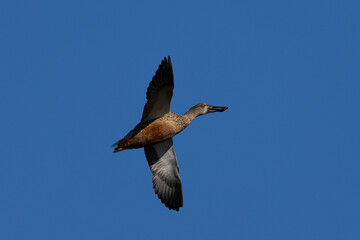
column 191, row 114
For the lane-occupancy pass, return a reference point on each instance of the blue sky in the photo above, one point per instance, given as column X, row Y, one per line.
column 281, row 163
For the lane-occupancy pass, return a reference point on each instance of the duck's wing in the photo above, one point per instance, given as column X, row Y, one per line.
column 159, row 92
column 166, row 179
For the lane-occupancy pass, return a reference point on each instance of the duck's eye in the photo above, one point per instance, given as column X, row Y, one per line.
column 203, row 105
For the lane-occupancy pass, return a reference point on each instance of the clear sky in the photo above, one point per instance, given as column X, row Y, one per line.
column 281, row 163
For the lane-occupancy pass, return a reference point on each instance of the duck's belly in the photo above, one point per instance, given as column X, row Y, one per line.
column 155, row 132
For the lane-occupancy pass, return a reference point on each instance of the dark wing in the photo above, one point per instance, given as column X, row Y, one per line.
column 159, row 92
column 166, row 179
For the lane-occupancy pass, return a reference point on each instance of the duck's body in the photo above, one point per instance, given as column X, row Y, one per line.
column 155, row 131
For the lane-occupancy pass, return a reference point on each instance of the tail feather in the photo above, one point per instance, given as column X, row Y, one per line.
column 119, row 145
column 117, row 149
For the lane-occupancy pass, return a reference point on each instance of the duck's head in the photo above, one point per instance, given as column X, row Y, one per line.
column 203, row 108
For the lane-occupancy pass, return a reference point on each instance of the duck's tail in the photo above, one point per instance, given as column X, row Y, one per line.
column 119, row 145
column 117, row 149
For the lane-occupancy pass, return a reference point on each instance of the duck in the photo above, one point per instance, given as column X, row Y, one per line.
column 155, row 131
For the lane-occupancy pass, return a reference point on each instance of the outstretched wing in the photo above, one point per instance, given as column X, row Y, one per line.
column 159, row 92
column 166, row 179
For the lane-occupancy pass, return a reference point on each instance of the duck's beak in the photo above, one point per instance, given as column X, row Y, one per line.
column 217, row 109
